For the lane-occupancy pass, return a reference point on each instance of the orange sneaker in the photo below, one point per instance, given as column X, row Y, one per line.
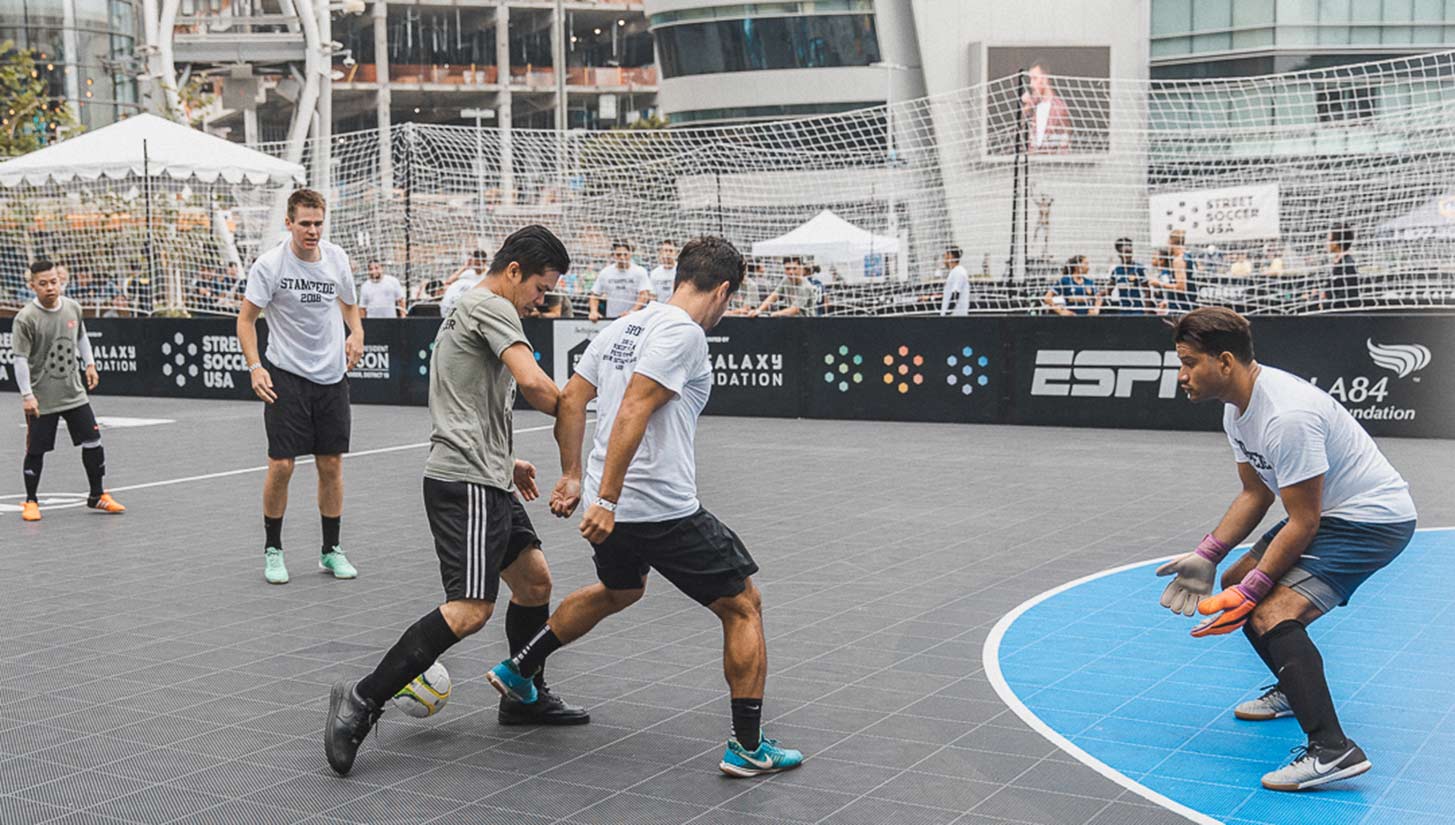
column 30, row 511
column 106, row 504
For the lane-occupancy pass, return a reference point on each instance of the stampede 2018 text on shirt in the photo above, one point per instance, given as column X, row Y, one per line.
column 305, row 327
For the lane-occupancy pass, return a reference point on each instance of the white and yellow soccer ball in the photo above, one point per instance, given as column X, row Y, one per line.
column 427, row 694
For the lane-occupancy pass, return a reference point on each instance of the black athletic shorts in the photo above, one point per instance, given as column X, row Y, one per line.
column 698, row 554
column 40, row 432
column 478, row 531
column 307, row 418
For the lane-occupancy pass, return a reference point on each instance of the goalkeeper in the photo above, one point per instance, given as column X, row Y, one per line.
column 1349, row 514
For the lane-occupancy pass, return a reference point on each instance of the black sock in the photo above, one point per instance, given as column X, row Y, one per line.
column 416, row 650
column 33, row 465
column 1301, row 676
column 274, row 528
column 94, row 460
column 747, row 722
column 532, row 656
column 330, row 533
column 521, row 623
column 1260, row 647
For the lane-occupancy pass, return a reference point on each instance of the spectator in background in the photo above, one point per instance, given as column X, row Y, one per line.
column 750, row 294
column 664, row 276
column 1177, row 283
column 429, row 290
column 799, row 297
column 556, row 305
column 380, row 295
column 1273, row 261
column 1343, row 290
column 119, row 306
column 624, row 285
column 957, row 283
column 1075, row 293
column 463, row 278
column 205, row 290
column 1127, row 291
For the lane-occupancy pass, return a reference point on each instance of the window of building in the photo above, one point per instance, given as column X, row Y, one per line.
column 754, row 44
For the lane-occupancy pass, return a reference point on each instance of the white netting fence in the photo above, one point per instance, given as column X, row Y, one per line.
column 1022, row 174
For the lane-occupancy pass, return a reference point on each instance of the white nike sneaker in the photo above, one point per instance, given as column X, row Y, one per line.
column 1313, row 766
column 1271, row 705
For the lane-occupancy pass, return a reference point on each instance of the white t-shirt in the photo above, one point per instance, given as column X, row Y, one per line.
column 663, row 279
column 380, row 299
column 663, row 343
column 1293, row 431
column 305, row 327
column 958, row 283
column 467, row 279
column 620, row 286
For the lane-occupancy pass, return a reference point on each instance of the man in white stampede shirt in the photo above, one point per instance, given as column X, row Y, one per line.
column 650, row 374
column 623, row 284
column 307, row 288
column 666, row 271
column 380, row 295
column 464, row 278
column 957, row 283
column 1349, row 515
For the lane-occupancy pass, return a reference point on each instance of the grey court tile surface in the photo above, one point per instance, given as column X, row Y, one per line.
column 148, row 674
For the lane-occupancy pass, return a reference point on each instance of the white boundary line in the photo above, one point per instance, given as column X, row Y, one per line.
column 990, row 658
column 243, row 471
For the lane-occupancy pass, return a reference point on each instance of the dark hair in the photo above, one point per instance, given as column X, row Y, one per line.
column 1215, row 330
column 373, row 261
column 621, row 243
column 40, row 265
column 480, row 255
column 1177, row 237
column 535, row 248
column 304, row 197
column 668, row 242
column 953, row 252
column 709, row 261
column 1343, row 235
column 792, row 259
column 1123, row 244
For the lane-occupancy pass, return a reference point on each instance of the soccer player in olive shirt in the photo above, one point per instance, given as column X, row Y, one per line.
column 48, row 339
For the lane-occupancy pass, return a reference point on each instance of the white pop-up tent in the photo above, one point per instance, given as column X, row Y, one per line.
column 828, row 237
column 148, row 146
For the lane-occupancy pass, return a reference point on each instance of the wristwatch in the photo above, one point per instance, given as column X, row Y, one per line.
column 608, row 506
column 255, row 365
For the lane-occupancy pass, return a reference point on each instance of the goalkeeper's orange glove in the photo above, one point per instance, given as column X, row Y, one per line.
column 1233, row 605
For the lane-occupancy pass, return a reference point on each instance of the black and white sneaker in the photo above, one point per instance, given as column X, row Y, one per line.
column 1271, row 705
column 547, row 709
column 349, row 720
column 1313, row 766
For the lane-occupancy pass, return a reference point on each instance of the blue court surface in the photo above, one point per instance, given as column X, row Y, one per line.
column 1100, row 668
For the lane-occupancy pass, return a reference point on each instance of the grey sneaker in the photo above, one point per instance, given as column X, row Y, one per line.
column 274, row 570
column 1313, row 766
column 1271, row 705
column 336, row 563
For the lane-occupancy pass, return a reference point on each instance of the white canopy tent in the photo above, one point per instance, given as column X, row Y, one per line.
column 828, row 238
column 146, row 196
column 148, row 146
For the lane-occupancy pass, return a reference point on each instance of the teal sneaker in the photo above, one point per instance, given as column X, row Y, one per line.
column 506, row 679
column 768, row 758
column 274, row 570
column 335, row 562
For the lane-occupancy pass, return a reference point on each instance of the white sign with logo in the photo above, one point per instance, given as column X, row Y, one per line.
column 1211, row 215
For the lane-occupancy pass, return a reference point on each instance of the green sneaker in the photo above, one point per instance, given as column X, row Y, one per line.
column 336, row 563
column 274, row 570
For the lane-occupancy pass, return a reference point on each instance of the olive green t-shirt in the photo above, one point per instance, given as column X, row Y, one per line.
column 471, row 392
column 47, row 339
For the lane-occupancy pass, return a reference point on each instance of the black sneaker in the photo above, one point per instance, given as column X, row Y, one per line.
column 547, row 709
column 349, row 721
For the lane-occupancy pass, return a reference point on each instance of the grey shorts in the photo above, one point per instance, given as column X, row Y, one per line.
column 1342, row 556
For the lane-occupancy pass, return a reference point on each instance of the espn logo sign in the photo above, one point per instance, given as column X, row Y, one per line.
column 1103, row 373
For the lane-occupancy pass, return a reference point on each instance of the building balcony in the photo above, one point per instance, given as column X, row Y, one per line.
column 527, row 78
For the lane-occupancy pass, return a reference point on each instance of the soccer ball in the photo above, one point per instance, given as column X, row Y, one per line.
column 427, row 694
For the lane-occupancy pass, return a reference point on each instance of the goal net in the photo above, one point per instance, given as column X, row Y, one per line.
column 1229, row 193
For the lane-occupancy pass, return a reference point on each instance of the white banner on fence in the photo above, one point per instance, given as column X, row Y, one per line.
column 1212, row 215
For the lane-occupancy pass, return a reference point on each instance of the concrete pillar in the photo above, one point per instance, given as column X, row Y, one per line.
column 383, row 102
column 558, row 61
column 503, row 108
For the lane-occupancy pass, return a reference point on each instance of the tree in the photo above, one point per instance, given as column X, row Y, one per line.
column 30, row 117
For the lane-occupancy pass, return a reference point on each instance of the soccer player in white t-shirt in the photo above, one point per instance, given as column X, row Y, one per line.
column 957, row 283
column 381, row 296
column 306, row 285
column 623, row 284
column 664, row 276
column 1349, row 515
column 650, row 375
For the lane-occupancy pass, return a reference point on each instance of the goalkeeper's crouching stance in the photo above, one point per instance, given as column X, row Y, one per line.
column 1349, row 514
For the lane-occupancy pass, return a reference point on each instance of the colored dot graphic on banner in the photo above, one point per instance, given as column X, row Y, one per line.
column 967, row 371
column 842, row 369
column 903, row 373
